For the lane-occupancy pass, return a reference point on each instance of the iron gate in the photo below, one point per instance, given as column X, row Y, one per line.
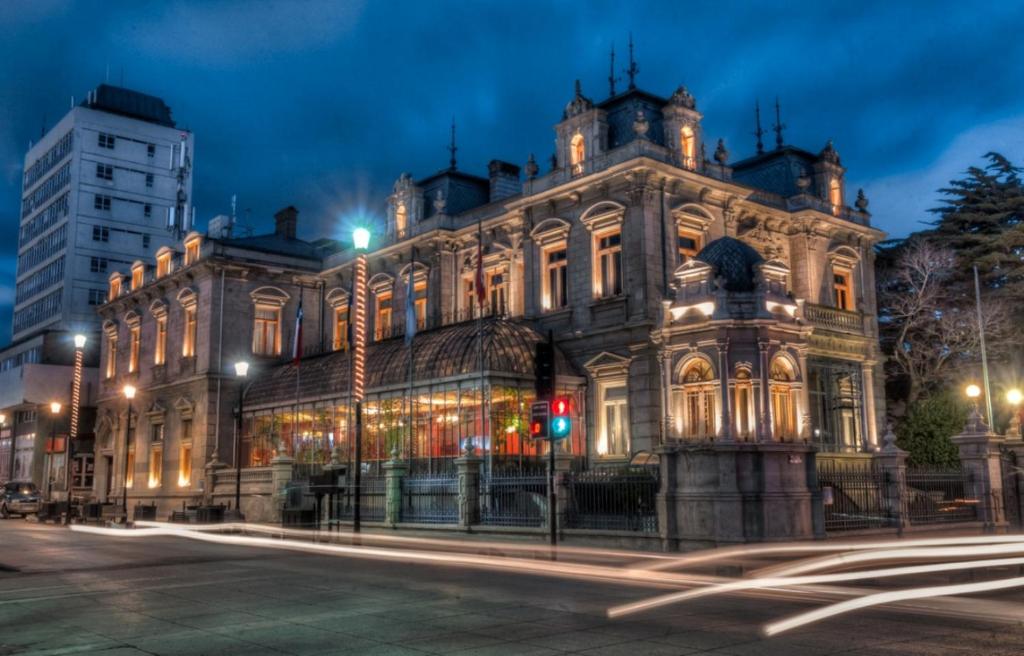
column 1012, row 487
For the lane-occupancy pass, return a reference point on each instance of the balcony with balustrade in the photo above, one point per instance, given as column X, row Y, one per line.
column 833, row 319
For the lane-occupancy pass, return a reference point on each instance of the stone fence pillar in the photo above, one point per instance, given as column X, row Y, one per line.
column 892, row 460
column 394, row 472
column 468, row 468
column 281, row 473
column 980, row 456
column 563, row 488
column 210, row 480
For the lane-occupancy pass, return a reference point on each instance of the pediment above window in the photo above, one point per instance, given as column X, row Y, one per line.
column 188, row 297
column 337, row 297
column 381, row 282
column 184, row 406
column 603, row 215
column 156, row 412
column 133, row 318
column 158, row 308
column 607, row 364
column 270, row 296
column 550, row 230
column 422, row 270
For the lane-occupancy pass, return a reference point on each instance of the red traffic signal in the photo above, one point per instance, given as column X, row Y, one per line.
column 560, row 407
column 561, row 424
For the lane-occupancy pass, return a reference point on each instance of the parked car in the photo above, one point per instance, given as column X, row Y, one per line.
column 19, row 498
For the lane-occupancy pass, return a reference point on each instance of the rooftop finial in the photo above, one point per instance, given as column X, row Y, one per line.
column 779, row 127
column 452, row 148
column 758, row 132
column 633, row 68
column 611, row 73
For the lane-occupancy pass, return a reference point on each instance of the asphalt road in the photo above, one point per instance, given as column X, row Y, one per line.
column 69, row 593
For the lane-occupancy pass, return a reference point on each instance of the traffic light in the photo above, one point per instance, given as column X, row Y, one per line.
column 540, row 415
column 544, row 370
column 561, row 422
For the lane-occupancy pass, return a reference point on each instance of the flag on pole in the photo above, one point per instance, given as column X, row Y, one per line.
column 410, row 302
column 297, row 342
column 481, row 294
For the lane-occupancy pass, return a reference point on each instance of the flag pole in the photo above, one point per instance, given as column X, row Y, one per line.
column 481, row 295
column 410, row 335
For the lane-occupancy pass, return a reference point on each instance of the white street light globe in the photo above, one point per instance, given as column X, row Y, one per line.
column 973, row 391
column 79, row 341
column 241, row 368
column 1015, row 396
column 361, row 239
column 55, row 407
column 129, row 392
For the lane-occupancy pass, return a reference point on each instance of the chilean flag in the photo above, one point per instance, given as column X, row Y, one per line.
column 297, row 342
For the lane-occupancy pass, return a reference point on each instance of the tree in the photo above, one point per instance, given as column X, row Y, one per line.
column 928, row 330
column 928, row 427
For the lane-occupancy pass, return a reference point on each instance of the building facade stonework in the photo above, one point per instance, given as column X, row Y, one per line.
column 690, row 301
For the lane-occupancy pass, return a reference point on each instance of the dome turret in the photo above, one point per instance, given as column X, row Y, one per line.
column 732, row 261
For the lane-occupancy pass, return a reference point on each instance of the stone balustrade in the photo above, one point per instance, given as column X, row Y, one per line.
column 830, row 318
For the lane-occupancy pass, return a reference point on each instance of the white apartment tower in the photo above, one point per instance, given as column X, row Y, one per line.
column 109, row 184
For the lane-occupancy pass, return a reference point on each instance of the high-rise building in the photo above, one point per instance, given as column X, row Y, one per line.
column 109, row 184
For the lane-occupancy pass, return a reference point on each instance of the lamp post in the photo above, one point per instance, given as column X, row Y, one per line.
column 129, row 393
column 361, row 242
column 54, row 413
column 76, row 397
column 1014, row 397
column 241, row 370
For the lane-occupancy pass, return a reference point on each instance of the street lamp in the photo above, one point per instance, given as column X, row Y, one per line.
column 129, row 393
column 1014, row 397
column 361, row 242
column 241, row 369
column 54, row 412
column 76, row 397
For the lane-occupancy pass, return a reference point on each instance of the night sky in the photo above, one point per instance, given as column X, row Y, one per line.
column 323, row 104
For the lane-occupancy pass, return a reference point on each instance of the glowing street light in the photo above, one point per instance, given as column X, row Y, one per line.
column 1015, row 397
column 241, row 371
column 361, row 242
column 973, row 392
column 129, row 393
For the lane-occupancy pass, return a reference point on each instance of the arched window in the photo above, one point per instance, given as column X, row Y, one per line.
column 835, row 194
column 695, row 401
column 401, row 220
column 783, row 407
column 577, row 153
column 688, row 147
column 743, row 395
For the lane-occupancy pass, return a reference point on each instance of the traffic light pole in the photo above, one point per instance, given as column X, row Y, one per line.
column 552, row 495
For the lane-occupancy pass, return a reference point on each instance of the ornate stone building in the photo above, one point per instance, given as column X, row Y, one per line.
column 689, row 299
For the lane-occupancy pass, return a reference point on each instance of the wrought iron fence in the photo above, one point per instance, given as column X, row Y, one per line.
column 620, row 499
column 853, row 496
column 430, row 499
column 935, row 496
column 373, row 500
column 514, row 497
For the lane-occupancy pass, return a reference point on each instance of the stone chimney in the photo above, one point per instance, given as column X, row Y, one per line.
column 504, row 180
column 285, row 222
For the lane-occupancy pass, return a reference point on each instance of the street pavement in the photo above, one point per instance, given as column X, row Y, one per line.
column 72, row 593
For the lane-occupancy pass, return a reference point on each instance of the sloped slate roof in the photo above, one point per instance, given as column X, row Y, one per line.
column 732, row 260
column 445, row 352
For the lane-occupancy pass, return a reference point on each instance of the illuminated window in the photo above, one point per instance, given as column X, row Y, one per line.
column 115, row 288
column 160, row 349
column 577, row 153
column 382, row 316
column 266, row 331
column 689, row 243
column 469, row 299
column 192, row 250
column 340, row 328
column 420, row 303
column 688, row 147
column 608, row 263
column 497, row 292
column 163, row 264
column 111, row 368
column 842, row 284
column 130, row 479
column 835, row 194
column 613, row 419
column 783, row 406
column 556, row 290
column 134, row 343
column 742, row 409
column 156, row 464
column 401, row 220
column 188, row 341
column 185, row 460
column 138, row 277
column 695, row 414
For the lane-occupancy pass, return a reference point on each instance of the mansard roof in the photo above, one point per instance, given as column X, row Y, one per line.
column 278, row 245
column 733, row 261
column 777, row 171
column 441, row 353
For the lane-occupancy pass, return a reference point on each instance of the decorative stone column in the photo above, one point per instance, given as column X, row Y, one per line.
column 892, row 460
column 867, row 369
column 281, row 473
column 394, row 472
column 765, row 417
column 805, row 395
column 468, row 468
column 979, row 454
column 666, row 393
column 723, row 379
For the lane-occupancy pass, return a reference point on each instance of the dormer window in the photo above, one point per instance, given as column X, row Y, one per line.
column 138, row 276
column 577, row 153
column 192, row 250
column 163, row 264
column 688, row 147
column 401, row 221
column 115, row 288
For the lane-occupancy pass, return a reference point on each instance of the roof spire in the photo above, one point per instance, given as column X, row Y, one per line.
column 779, row 127
column 611, row 73
column 452, row 148
column 633, row 68
column 758, row 132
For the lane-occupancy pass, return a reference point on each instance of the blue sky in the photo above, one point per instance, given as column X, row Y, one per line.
column 323, row 104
